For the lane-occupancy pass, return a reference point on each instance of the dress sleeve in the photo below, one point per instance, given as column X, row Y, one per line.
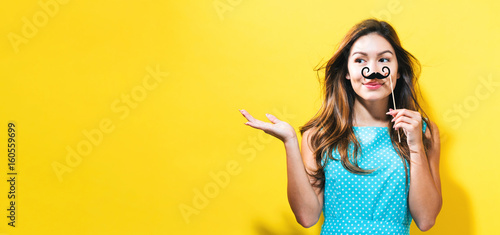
column 424, row 124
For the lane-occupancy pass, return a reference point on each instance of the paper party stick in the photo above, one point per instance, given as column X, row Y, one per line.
column 394, row 101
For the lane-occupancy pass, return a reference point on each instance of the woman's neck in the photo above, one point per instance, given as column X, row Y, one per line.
column 371, row 113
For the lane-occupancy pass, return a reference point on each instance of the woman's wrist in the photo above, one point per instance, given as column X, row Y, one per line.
column 292, row 140
column 417, row 149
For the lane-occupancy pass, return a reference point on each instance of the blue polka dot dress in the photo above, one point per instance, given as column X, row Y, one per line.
column 375, row 203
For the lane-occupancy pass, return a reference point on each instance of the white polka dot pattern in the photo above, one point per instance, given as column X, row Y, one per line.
column 376, row 203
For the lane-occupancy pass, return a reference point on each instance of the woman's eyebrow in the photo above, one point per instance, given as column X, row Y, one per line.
column 359, row 52
column 386, row 51
column 363, row 53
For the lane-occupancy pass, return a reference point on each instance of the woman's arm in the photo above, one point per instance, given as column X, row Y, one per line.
column 305, row 199
column 425, row 198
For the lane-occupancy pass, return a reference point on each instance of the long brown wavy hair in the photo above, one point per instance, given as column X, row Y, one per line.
column 332, row 126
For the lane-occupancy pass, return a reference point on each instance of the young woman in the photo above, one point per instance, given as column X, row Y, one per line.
column 370, row 156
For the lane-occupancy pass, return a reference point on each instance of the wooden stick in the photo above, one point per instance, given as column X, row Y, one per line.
column 394, row 102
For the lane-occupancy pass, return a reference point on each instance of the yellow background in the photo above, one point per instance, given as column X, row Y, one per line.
column 86, row 57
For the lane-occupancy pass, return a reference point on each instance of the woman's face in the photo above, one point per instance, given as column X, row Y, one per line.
column 375, row 52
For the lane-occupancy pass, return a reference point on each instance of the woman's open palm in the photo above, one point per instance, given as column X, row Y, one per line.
column 277, row 128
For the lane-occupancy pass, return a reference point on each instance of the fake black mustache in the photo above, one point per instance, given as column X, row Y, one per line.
column 376, row 75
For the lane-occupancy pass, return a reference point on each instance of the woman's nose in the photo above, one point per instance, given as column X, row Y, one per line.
column 374, row 67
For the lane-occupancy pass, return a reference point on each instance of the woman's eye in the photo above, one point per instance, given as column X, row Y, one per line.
column 383, row 60
column 359, row 60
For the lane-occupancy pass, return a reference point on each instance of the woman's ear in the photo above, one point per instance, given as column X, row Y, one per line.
column 347, row 76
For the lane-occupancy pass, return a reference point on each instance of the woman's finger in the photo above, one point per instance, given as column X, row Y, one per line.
column 405, row 119
column 404, row 125
column 272, row 118
column 403, row 112
column 255, row 123
column 247, row 115
column 395, row 112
